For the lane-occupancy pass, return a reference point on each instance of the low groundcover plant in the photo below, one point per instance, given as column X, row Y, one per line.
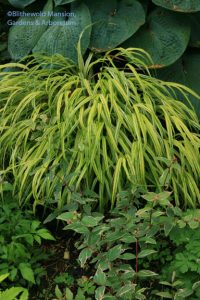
column 122, row 252
column 21, row 237
column 67, row 128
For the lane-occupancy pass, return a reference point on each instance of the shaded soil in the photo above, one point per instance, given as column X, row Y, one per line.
column 63, row 259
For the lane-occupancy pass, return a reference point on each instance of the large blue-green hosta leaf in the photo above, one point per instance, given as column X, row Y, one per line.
column 165, row 36
column 179, row 5
column 63, row 39
column 186, row 71
column 21, row 3
column 22, row 38
column 195, row 30
column 114, row 22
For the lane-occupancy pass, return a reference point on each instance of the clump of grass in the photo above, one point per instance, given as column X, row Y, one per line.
column 66, row 128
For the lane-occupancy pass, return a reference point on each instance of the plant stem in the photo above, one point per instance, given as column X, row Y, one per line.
column 136, row 263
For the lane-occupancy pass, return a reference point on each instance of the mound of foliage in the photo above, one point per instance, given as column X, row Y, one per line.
column 65, row 128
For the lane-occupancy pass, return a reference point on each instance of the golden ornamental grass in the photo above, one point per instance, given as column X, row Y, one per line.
column 68, row 128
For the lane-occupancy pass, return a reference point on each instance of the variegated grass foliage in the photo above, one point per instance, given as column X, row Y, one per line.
column 67, row 128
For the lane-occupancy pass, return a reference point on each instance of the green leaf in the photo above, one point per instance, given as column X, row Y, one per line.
column 193, row 224
column 66, row 216
column 165, row 295
column 128, row 238
column 51, row 217
column 150, row 196
column 165, row 283
column 181, row 223
column 146, row 273
column 114, row 252
column 170, row 212
column 126, row 289
column 27, row 272
column 80, row 295
column 183, row 294
column 180, row 6
column 84, row 255
column 77, row 227
column 185, row 71
column 160, row 198
column 146, row 252
column 177, row 211
column 3, row 277
column 149, row 240
column 163, row 201
column 61, row 2
column 13, row 273
column 102, row 263
column 35, row 225
column 67, row 35
column 168, row 226
column 68, row 294
column 24, row 295
column 114, row 22
column 13, row 292
column 100, row 277
column 23, row 38
column 99, row 293
column 43, row 233
column 21, row 3
column 114, row 236
column 127, row 256
column 58, row 292
column 37, row 239
column 90, row 221
column 29, row 238
column 165, row 37
column 177, row 283
column 196, row 285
